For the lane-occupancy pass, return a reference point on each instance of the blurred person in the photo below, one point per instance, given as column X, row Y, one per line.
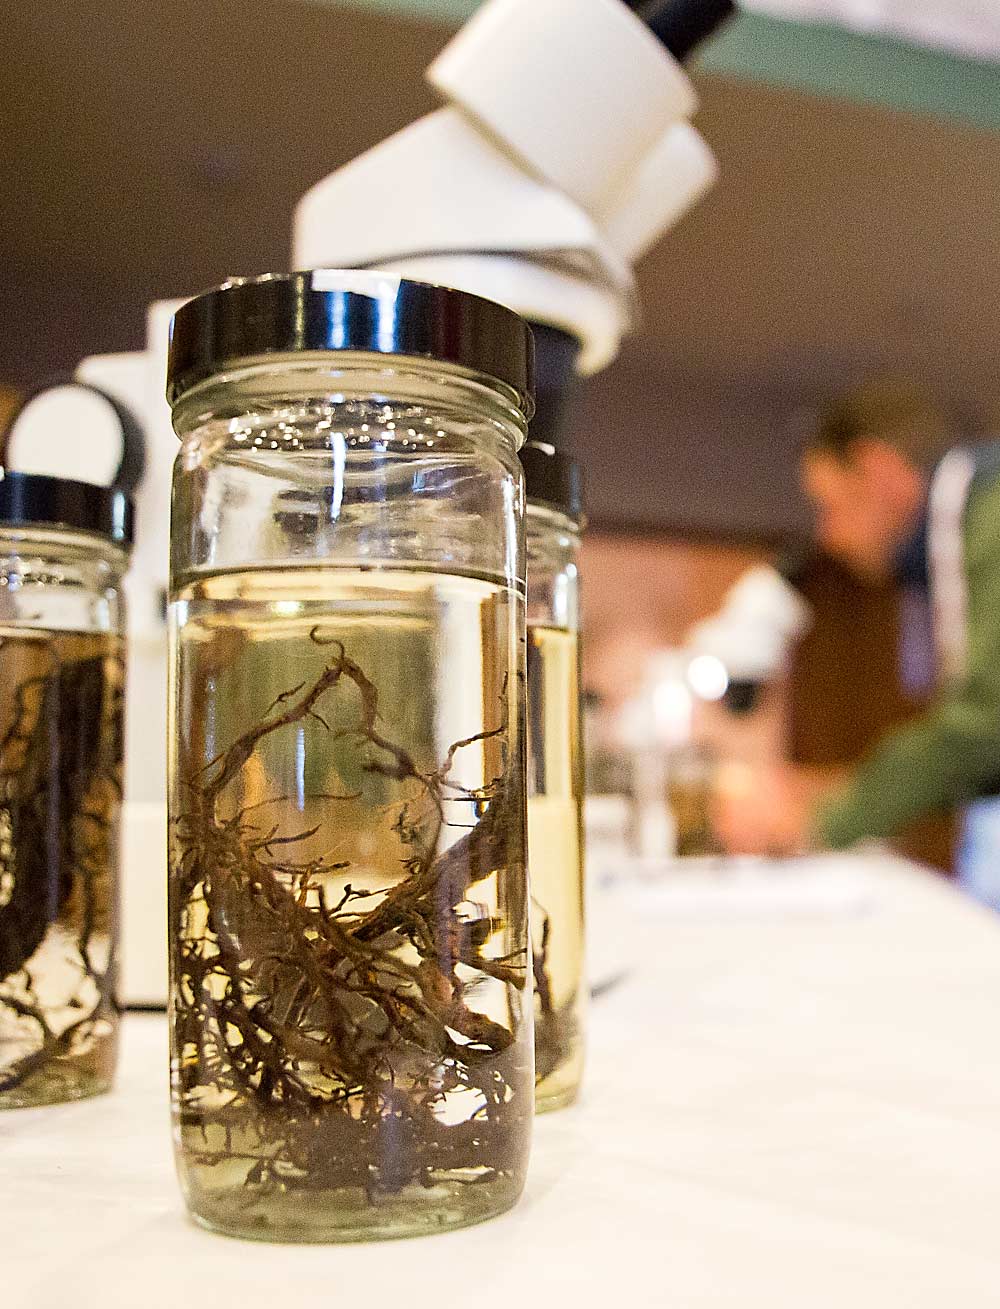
column 895, row 498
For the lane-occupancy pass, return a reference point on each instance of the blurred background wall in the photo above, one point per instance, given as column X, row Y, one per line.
column 151, row 151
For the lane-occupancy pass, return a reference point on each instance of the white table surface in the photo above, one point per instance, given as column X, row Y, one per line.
column 800, row 1110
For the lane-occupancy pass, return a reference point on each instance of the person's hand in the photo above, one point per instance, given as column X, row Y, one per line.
column 766, row 810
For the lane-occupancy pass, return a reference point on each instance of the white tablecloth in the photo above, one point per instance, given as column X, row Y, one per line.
column 799, row 1110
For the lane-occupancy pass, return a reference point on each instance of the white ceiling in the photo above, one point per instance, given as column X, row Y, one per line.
column 971, row 27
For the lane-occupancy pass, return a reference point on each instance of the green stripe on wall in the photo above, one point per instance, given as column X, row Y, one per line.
column 810, row 57
column 452, row 12
column 870, row 70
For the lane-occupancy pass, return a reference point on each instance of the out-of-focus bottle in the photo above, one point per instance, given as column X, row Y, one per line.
column 555, row 772
column 64, row 549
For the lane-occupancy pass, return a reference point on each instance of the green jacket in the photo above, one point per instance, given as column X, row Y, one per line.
column 950, row 755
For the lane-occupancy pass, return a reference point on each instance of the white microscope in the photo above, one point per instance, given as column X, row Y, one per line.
column 562, row 152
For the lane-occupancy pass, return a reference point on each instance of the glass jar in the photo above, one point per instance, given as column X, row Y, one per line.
column 350, row 990
column 63, row 554
column 555, row 772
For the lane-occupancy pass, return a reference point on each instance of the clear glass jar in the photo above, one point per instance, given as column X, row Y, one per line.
column 555, row 774
column 62, row 682
column 350, row 990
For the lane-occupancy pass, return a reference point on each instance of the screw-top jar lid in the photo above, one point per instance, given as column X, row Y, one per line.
column 557, row 383
column 330, row 310
column 38, row 500
column 552, row 479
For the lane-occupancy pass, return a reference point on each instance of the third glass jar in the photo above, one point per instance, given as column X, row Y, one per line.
column 555, row 772
column 350, row 991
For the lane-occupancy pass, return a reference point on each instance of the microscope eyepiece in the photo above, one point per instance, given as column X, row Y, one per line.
column 682, row 25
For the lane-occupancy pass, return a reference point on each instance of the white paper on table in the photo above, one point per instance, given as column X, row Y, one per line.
column 822, row 886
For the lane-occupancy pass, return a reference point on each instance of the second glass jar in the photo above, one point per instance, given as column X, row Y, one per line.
column 350, row 998
column 555, row 772
column 63, row 553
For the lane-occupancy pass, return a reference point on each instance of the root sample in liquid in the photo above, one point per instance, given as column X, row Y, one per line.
column 350, row 1023
column 61, row 697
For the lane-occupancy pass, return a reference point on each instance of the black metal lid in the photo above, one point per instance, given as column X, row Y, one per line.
column 33, row 500
column 334, row 310
column 557, row 383
column 37, row 500
column 682, row 25
column 552, row 479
